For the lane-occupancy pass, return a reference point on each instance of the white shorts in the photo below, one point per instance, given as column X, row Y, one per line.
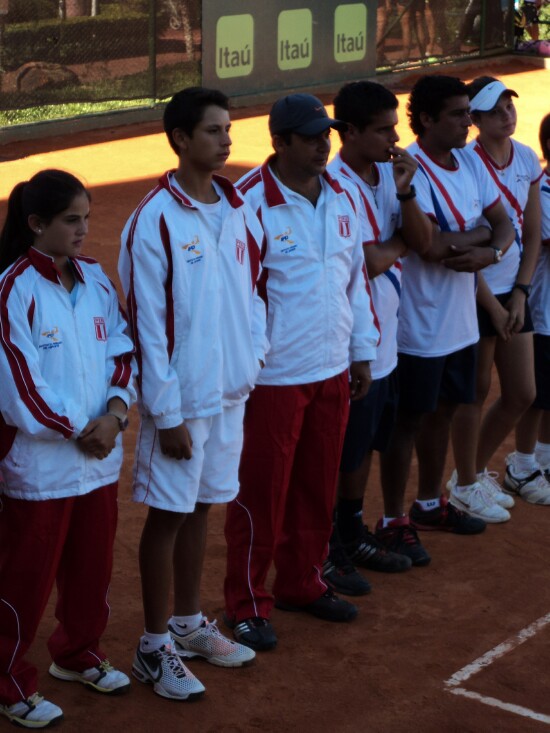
column 209, row 477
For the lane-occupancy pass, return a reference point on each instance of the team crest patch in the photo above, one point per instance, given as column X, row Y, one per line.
column 286, row 242
column 192, row 250
column 100, row 329
column 344, row 226
column 239, row 249
column 50, row 338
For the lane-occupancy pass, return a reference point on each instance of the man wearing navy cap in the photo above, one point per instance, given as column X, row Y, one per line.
column 322, row 332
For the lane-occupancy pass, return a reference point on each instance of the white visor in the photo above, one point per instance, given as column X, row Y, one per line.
column 488, row 97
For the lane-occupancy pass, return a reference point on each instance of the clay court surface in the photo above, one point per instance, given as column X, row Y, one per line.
column 421, row 636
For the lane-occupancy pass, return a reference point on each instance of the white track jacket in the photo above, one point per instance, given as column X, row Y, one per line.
column 59, row 366
column 197, row 320
column 319, row 313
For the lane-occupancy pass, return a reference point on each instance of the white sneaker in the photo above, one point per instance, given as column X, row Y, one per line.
column 34, row 712
column 208, row 642
column 170, row 678
column 104, row 678
column 477, row 502
column 489, row 480
column 534, row 488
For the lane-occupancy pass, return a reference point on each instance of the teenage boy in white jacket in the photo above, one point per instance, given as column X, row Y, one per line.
column 189, row 262
column 320, row 321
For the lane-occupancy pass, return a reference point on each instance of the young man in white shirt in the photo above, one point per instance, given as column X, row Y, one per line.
column 189, row 264
column 438, row 331
column 391, row 220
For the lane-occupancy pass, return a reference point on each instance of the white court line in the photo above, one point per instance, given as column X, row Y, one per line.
column 487, row 659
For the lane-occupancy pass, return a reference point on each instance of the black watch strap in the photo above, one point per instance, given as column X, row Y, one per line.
column 524, row 288
column 406, row 196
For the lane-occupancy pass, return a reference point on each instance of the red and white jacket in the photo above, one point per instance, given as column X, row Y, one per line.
column 59, row 366
column 197, row 320
column 320, row 316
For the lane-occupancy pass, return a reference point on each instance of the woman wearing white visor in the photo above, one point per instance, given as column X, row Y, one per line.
column 506, row 329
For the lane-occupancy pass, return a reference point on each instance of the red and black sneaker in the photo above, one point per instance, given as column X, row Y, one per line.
column 368, row 551
column 445, row 518
column 399, row 537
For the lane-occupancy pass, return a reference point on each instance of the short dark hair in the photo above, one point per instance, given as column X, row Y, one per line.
column 359, row 101
column 544, row 137
column 429, row 95
column 186, row 109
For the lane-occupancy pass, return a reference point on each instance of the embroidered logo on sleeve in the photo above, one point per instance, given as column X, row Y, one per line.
column 192, row 251
column 100, row 328
column 240, row 249
column 344, row 226
column 50, row 338
column 286, row 242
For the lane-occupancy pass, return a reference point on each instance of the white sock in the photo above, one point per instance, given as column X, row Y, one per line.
column 150, row 642
column 428, row 504
column 461, row 490
column 186, row 624
column 524, row 464
column 542, row 454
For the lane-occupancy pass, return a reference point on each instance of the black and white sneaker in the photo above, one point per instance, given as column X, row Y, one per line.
column 340, row 575
column 170, row 678
column 255, row 632
column 328, row 607
column 34, row 712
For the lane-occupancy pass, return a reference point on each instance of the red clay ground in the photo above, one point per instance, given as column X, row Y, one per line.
column 383, row 673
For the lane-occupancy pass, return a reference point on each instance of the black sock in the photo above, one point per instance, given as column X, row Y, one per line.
column 349, row 519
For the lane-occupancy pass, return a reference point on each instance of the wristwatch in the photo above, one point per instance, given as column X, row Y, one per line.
column 526, row 289
column 122, row 420
column 497, row 254
column 406, row 196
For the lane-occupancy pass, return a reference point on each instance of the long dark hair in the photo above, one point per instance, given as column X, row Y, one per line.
column 46, row 195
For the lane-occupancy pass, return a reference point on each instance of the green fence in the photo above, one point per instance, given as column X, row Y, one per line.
column 65, row 58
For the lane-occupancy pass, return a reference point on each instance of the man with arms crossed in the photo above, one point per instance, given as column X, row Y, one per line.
column 438, row 332
column 391, row 222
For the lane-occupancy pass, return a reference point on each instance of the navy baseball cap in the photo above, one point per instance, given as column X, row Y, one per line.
column 301, row 113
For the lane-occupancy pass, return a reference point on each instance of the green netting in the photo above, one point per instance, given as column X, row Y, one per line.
column 63, row 58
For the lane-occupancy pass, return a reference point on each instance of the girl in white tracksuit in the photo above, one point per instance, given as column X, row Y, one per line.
column 65, row 370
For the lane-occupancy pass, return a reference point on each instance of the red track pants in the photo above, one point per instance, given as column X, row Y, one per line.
column 293, row 439
column 65, row 540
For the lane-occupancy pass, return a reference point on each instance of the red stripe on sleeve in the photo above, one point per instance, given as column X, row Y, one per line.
column 21, row 374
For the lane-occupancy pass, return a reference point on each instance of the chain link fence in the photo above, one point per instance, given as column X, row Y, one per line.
column 64, row 58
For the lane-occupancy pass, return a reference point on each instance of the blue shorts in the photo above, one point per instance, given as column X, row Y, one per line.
column 370, row 422
column 542, row 371
column 425, row 381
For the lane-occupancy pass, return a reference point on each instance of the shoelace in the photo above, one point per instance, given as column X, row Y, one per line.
column 105, row 666
column 174, row 663
column 338, row 560
column 34, row 700
column 408, row 535
column 485, row 494
column 368, row 545
column 211, row 627
column 491, row 478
